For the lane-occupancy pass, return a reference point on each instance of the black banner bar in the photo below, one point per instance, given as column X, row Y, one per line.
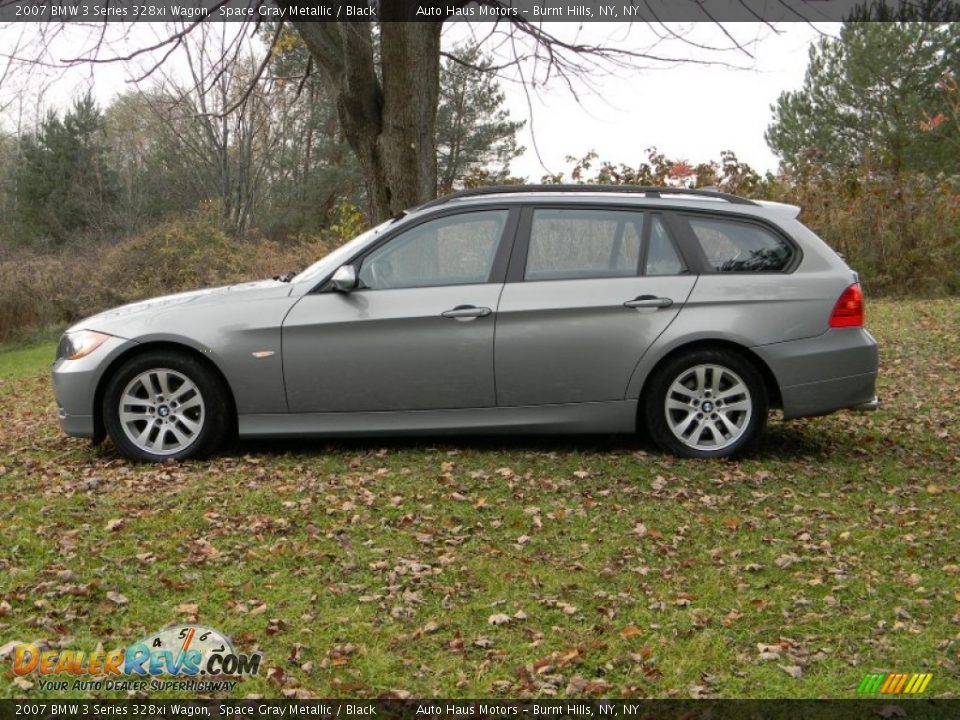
column 854, row 709
column 534, row 11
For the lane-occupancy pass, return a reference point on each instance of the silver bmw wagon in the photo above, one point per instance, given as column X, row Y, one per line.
column 521, row 309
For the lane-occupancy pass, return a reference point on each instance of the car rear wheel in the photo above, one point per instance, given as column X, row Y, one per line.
column 708, row 403
column 161, row 406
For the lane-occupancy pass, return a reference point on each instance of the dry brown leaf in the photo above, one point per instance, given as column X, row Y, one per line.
column 794, row 671
column 7, row 649
column 630, row 631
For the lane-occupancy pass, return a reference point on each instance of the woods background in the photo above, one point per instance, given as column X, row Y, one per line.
column 183, row 183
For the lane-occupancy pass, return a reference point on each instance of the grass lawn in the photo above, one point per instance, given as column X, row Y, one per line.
column 495, row 568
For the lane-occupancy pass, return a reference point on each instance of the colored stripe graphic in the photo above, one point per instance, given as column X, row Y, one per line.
column 900, row 683
column 891, row 679
column 870, row 683
column 894, row 683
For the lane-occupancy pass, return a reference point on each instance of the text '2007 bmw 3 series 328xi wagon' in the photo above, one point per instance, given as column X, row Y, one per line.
column 540, row 309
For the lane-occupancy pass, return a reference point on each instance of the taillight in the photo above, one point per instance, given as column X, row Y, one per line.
column 848, row 312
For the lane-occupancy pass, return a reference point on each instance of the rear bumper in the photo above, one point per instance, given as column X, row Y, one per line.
column 869, row 406
column 822, row 374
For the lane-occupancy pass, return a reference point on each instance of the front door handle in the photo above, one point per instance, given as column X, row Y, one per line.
column 467, row 312
column 648, row 301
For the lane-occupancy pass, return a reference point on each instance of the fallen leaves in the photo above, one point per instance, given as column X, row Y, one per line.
column 794, row 671
column 820, row 553
column 785, row 561
column 630, row 631
column 6, row 650
column 117, row 598
column 275, row 626
column 768, row 652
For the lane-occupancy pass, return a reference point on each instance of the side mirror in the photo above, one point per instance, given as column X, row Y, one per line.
column 345, row 278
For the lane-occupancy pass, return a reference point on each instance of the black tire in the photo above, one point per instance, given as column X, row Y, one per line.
column 744, row 427
column 211, row 418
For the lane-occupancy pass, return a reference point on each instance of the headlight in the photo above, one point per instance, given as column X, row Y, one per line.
column 76, row 345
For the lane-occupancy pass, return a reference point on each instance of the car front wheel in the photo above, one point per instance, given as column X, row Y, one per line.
column 709, row 403
column 161, row 406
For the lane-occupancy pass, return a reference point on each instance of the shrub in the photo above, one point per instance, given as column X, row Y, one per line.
column 41, row 290
column 902, row 233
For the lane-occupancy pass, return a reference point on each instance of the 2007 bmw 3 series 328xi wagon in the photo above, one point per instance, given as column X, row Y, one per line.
column 522, row 309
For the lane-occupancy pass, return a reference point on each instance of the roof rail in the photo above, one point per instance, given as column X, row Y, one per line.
column 651, row 192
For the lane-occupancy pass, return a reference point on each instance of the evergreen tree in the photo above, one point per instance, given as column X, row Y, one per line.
column 476, row 139
column 63, row 184
column 866, row 96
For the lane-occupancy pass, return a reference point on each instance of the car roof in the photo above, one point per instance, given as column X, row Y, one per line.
column 585, row 195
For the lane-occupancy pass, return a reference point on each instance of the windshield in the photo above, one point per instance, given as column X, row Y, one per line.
column 331, row 262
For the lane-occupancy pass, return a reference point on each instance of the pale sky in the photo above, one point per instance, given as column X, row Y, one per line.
column 688, row 111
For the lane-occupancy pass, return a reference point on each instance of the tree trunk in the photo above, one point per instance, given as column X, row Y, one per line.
column 410, row 61
column 389, row 126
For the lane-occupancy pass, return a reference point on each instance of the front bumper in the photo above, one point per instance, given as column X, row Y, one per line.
column 75, row 386
column 833, row 371
column 81, row 426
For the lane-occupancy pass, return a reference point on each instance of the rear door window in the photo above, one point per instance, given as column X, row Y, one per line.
column 662, row 257
column 577, row 243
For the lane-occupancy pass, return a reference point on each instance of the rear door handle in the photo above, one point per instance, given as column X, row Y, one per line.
column 648, row 301
column 467, row 312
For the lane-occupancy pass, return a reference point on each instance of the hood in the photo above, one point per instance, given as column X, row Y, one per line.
column 112, row 321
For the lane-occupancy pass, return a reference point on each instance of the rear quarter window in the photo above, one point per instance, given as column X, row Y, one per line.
column 735, row 246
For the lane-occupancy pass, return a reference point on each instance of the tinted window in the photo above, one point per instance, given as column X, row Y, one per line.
column 577, row 243
column 662, row 257
column 453, row 250
column 732, row 246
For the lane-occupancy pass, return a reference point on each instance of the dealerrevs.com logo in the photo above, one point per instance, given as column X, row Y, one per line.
column 179, row 657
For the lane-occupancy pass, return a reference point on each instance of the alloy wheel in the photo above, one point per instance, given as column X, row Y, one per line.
column 161, row 411
column 708, row 407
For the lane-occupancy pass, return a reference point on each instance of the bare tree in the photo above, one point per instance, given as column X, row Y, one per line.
column 220, row 124
column 384, row 79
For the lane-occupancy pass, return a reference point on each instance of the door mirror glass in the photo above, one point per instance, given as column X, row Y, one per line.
column 345, row 278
